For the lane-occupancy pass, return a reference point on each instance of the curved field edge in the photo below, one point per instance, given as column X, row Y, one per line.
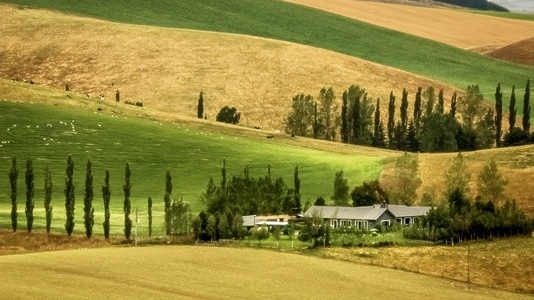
column 295, row 23
column 214, row 273
column 192, row 151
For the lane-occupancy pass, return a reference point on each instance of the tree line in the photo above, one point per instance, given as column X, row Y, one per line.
column 176, row 211
column 467, row 125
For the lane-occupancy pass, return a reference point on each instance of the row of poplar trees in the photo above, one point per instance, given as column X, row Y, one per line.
column 69, row 198
column 467, row 125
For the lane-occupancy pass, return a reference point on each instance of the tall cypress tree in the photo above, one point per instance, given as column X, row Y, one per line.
column 377, row 135
column 200, row 107
column 13, row 175
column 168, row 202
column 48, row 197
column 106, row 195
column 356, row 121
column 29, row 194
column 296, row 192
column 344, row 118
column 417, row 110
column 498, row 115
column 127, row 203
column 452, row 111
column 512, row 110
column 88, row 209
column 149, row 217
column 526, row 109
column 404, row 111
column 391, row 119
column 69, row 196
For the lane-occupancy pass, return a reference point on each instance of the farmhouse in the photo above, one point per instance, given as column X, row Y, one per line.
column 367, row 217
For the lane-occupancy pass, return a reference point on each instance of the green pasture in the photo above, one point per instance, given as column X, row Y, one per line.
column 49, row 134
column 285, row 21
column 186, row 272
column 510, row 15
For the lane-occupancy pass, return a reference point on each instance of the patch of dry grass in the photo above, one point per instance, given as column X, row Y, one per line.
column 503, row 264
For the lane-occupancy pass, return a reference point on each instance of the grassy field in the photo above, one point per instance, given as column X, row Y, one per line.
column 294, row 23
column 215, row 273
column 193, row 152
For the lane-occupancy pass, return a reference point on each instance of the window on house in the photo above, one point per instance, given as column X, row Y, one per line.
column 365, row 225
column 345, row 223
column 385, row 223
column 359, row 225
column 407, row 221
column 399, row 220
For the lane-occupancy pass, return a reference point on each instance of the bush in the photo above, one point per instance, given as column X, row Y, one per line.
column 228, row 115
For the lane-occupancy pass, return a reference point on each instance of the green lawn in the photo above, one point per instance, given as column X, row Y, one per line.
column 289, row 22
column 49, row 134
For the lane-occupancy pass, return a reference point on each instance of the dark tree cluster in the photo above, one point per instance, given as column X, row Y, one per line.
column 243, row 195
column 477, row 4
column 467, row 125
column 228, row 115
column 461, row 219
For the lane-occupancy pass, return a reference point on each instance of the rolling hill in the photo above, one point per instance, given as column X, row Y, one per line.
column 215, row 273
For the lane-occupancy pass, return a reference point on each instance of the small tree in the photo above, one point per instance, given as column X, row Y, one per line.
column 200, row 106
column 149, row 217
column 88, row 209
column 512, row 110
column 228, row 115
column 498, row 116
column 526, row 109
column 300, row 119
column 118, row 96
column 260, row 233
column 106, row 194
column 48, row 197
column 491, row 183
column 29, row 194
column 457, row 177
column 406, row 179
column 69, row 196
column 341, row 190
column 127, row 204
column 13, row 175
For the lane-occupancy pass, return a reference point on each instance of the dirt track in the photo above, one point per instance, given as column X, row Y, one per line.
column 453, row 27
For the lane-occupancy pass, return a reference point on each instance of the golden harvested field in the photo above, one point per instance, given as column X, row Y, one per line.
column 449, row 26
column 185, row 272
column 167, row 68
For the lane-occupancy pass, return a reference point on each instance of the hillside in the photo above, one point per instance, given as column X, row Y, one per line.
column 167, row 68
column 449, row 26
column 521, row 52
column 215, row 273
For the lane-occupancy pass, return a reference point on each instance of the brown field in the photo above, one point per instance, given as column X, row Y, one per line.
column 167, row 68
column 521, row 52
column 449, row 26
column 211, row 272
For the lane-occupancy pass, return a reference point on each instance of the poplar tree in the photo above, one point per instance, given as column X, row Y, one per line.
column 498, row 115
column 417, row 110
column 48, row 197
column 106, row 195
column 341, row 190
column 88, row 209
column 440, row 108
column 378, row 130
column 200, row 108
column 149, row 217
column 69, row 196
column 452, row 111
column 404, row 111
column 391, row 119
column 168, row 202
column 29, row 194
column 13, row 175
column 526, row 109
column 345, row 132
column 296, row 191
column 512, row 110
column 127, row 203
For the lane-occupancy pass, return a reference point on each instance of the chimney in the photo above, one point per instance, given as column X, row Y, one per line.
column 384, row 205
